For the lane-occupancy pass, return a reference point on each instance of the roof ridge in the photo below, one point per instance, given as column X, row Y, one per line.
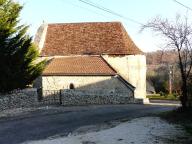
column 82, row 23
column 76, row 56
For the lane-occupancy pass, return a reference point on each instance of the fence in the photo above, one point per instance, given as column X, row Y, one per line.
column 49, row 97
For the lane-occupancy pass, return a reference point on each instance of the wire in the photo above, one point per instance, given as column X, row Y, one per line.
column 183, row 5
column 85, row 9
column 109, row 11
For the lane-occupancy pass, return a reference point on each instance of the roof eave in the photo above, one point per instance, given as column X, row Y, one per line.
column 80, row 74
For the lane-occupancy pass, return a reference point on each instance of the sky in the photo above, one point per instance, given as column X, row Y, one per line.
column 35, row 12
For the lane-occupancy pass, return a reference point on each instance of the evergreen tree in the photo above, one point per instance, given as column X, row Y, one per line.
column 18, row 65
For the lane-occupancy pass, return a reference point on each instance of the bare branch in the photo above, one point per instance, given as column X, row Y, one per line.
column 178, row 36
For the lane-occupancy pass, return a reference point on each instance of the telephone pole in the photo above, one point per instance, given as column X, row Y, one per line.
column 170, row 78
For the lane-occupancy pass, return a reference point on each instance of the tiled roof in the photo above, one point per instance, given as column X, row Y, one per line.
column 79, row 65
column 88, row 38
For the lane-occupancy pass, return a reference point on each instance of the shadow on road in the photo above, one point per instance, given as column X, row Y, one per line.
column 60, row 121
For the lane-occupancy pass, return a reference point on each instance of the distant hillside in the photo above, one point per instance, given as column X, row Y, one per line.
column 159, row 66
column 159, row 58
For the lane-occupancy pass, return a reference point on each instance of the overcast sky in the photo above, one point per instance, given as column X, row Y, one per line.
column 67, row 11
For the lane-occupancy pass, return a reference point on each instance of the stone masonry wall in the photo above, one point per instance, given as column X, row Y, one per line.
column 96, row 84
column 17, row 99
column 87, row 90
column 40, row 36
column 79, row 97
column 133, row 69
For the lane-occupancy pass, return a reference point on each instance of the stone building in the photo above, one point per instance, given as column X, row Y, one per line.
column 97, row 57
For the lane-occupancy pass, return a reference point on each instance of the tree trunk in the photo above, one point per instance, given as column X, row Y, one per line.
column 183, row 97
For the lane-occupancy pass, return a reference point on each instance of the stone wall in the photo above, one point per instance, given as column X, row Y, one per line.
column 105, row 84
column 40, row 36
column 87, row 90
column 17, row 99
column 133, row 69
column 80, row 97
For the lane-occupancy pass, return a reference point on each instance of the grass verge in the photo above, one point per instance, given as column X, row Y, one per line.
column 179, row 116
column 162, row 97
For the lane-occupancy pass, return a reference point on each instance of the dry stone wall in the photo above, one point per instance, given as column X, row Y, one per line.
column 17, row 99
column 73, row 97
column 79, row 97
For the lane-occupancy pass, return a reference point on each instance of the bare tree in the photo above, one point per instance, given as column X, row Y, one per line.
column 177, row 36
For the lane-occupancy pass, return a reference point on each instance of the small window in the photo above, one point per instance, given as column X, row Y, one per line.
column 71, row 86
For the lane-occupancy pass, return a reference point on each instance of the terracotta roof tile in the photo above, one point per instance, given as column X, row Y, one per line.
column 80, row 65
column 88, row 38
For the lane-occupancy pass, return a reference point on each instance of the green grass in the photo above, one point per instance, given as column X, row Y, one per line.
column 162, row 97
column 179, row 116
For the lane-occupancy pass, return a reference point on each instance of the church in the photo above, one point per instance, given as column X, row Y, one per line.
column 94, row 58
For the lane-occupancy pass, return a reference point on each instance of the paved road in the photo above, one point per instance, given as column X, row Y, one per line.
column 60, row 121
column 165, row 101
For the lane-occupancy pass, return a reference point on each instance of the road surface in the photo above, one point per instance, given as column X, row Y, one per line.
column 60, row 121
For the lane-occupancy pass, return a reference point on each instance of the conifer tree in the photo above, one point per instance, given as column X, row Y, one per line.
column 18, row 55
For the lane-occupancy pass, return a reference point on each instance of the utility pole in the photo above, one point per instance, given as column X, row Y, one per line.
column 170, row 78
